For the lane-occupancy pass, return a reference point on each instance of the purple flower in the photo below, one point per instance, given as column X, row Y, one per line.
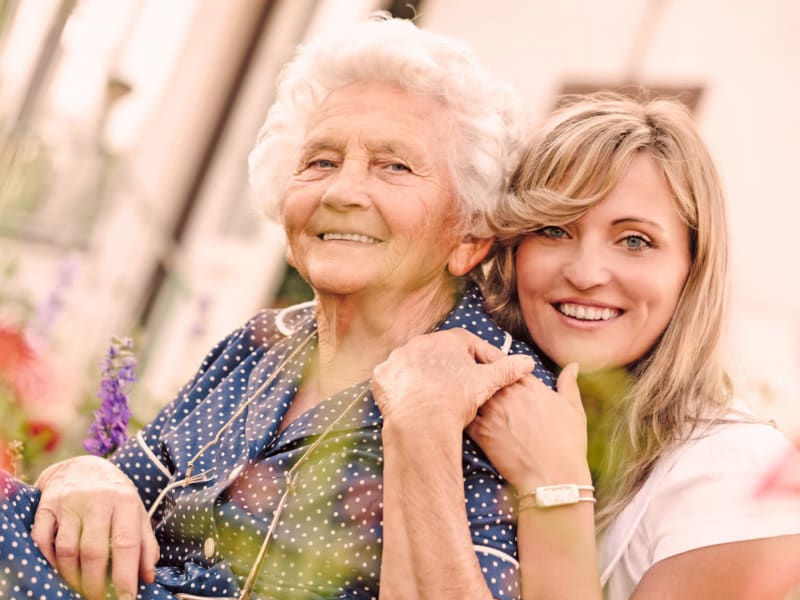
column 109, row 430
column 47, row 312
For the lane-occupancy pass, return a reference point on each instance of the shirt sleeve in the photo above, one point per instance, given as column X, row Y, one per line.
column 143, row 458
column 711, row 495
column 489, row 503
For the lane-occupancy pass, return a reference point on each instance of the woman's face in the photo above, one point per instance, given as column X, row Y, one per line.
column 371, row 206
column 601, row 290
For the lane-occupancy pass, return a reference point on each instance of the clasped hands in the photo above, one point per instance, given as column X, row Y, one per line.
column 442, row 383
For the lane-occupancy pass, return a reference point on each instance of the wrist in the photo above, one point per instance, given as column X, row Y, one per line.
column 550, row 496
column 578, row 475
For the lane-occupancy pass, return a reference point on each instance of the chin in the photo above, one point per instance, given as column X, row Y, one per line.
column 588, row 363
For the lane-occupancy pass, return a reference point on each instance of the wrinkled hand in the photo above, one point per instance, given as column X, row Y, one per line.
column 533, row 435
column 440, row 379
column 89, row 510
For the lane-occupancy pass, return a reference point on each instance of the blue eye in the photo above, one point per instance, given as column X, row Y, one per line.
column 322, row 163
column 398, row 167
column 552, row 232
column 636, row 242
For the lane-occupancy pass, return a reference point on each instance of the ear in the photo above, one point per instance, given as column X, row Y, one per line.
column 468, row 253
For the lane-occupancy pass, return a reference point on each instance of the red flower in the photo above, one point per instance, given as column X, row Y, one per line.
column 20, row 365
column 45, row 435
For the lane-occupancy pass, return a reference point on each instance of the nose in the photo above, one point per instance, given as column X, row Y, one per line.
column 348, row 187
column 587, row 267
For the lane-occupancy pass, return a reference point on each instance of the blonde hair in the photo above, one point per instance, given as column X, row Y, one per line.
column 577, row 158
column 486, row 139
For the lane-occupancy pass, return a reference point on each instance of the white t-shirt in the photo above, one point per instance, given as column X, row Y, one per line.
column 700, row 494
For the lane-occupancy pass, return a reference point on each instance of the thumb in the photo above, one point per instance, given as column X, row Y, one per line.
column 567, row 384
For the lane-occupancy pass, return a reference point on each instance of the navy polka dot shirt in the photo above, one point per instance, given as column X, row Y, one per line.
column 327, row 543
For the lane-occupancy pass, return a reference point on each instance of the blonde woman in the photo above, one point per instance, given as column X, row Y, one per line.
column 615, row 256
column 613, row 261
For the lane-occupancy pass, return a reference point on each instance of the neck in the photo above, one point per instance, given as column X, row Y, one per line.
column 357, row 332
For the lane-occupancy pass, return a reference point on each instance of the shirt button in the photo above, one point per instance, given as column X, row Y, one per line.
column 209, row 546
column 235, row 473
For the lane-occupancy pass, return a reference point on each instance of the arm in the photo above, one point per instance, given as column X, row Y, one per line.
column 92, row 509
column 537, row 437
column 763, row 569
column 427, row 391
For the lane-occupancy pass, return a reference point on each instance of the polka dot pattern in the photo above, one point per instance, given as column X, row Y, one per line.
column 327, row 543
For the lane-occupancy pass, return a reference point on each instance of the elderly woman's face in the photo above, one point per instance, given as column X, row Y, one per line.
column 371, row 205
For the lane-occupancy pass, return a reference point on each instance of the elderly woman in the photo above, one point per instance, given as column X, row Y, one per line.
column 274, row 474
column 614, row 260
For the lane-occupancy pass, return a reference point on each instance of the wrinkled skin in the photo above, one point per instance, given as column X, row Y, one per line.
column 89, row 514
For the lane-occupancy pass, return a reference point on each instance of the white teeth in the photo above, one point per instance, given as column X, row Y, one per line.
column 350, row 237
column 587, row 313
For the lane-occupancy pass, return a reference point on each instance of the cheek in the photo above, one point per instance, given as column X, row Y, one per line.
column 662, row 302
column 533, row 270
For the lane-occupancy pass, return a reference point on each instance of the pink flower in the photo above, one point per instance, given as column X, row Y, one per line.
column 784, row 477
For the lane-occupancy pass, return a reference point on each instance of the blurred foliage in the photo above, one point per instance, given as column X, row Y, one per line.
column 601, row 393
column 24, row 170
column 293, row 289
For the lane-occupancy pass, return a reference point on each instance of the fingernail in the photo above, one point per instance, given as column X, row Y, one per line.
column 125, row 596
column 530, row 363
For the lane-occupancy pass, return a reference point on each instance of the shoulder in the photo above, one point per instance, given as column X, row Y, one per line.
column 712, row 492
column 470, row 314
column 247, row 343
column 271, row 325
column 735, row 445
column 706, row 491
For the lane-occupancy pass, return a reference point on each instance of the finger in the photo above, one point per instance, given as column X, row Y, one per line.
column 126, row 546
column 504, row 372
column 43, row 533
column 67, row 547
column 150, row 551
column 484, row 352
column 567, row 384
column 474, row 428
column 94, row 551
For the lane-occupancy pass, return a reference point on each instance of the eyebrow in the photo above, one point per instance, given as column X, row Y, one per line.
column 319, row 145
column 624, row 220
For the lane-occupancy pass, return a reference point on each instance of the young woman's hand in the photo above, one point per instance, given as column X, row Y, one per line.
column 533, row 435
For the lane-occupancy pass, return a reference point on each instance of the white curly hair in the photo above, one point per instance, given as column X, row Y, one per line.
column 486, row 113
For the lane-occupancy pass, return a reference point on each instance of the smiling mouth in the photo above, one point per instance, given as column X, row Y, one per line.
column 349, row 237
column 587, row 313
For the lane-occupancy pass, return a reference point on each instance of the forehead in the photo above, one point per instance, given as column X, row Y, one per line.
column 643, row 191
column 381, row 114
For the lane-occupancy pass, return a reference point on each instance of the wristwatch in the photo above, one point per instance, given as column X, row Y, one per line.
column 547, row 496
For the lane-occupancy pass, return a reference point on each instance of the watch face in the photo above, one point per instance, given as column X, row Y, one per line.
column 555, row 495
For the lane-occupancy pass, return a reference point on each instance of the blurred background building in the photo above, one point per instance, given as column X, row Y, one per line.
column 125, row 127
